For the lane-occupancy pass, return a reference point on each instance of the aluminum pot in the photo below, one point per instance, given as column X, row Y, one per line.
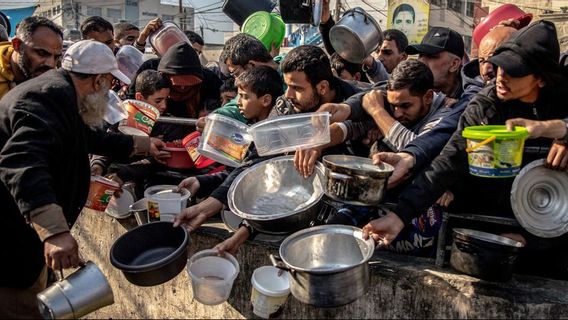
column 328, row 264
column 275, row 198
column 484, row 255
column 356, row 35
column 356, row 180
column 151, row 254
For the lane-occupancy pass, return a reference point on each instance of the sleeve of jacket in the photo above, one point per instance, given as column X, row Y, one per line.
column 209, row 182
column 428, row 145
column 117, row 146
column 442, row 173
column 377, row 72
column 324, row 31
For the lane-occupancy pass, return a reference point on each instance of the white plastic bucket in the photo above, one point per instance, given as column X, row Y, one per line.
column 212, row 276
column 269, row 291
column 164, row 202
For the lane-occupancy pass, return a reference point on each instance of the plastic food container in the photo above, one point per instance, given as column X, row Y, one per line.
column 179, row 158
column 101, row 190
column 114, row 111
column 504, row 12
column 191, row 143
column 212, row 276
column 287, row 133
column 225, row 140
column 266, row 27
column 494, row 152
column 165, row 37
column 269, row 291
column 129, row 60
column 119, row 208
column 141, row 118
column 164, row 202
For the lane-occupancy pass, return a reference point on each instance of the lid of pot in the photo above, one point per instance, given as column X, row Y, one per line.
column 358, row 165
column 488, row 237
column 539, row 198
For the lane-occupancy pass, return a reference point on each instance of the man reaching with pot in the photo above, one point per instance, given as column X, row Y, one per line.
column 528, row 85
column 48, row 126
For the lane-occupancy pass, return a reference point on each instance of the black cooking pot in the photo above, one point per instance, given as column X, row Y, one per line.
column 484, row 255
column 240, row 10
column 151, row 254
column 296, row 11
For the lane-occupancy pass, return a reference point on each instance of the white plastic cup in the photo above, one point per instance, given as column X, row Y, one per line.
column 269, row 291
column 212, row 276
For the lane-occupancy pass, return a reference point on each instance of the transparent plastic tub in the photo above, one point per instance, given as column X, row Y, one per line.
column 114, row 111
column 165, row 37
column 287, row 133
column 225, row 140
column 129, row 60
column 212, row 276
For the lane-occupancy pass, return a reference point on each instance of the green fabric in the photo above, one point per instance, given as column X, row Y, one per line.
column 231, row 110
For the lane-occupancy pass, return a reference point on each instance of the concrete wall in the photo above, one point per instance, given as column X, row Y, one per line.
column 401, row 287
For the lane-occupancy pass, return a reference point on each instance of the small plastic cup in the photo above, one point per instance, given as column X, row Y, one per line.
column 269, row 291
column 212, row 276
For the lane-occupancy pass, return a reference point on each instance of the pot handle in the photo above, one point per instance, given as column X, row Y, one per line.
column 278, row 263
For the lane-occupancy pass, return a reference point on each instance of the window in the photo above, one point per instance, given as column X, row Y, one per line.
column 58, row 9
column 114, row 13
column 455, row 5
column 438, row 3
column 167, row 17
column 94, row 11
column 469, row 9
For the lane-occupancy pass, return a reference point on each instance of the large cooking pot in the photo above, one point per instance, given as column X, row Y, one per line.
column 296, row 11
column 275, row 198
column 484, row 255
column 356, row 35
column 328, row 264
column 356, row 180
column 151, row 254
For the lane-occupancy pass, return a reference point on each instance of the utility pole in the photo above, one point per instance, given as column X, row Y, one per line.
column 337, row 9
column 181, row 15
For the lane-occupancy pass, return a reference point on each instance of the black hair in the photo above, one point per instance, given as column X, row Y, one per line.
column 149, row 82
column 29, row 25
column 194, row 37
column 398, row 37
column 312, row 61
column 262, row 80
column 121, row 28
column 228, row 86
column 404, row 7
column 242, row 49
column 413, row 75
column 340, row 64
column 95, row 24
column 3, row 33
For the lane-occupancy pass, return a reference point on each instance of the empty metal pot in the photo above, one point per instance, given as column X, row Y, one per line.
column 328, row 264
column 81, row 293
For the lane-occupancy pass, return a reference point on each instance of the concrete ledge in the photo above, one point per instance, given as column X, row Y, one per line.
column 401, row 286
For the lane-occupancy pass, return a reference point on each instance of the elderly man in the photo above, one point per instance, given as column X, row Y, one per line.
column 48, row 127
column 487, row 47
column 35, row 49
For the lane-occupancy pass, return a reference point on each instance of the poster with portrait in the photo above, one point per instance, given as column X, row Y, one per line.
column 410, row 17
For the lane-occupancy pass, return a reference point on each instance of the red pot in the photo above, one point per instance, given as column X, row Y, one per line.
column 504, row 12
column 179, row 158
column 191, row 142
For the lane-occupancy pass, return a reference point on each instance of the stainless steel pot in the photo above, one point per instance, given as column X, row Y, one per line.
column 275, row 198
column 328, row 264
column 356, row 35
column 355, row 180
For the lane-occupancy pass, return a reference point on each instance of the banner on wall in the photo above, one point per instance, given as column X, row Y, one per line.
column 17, row 15
column 410, row 17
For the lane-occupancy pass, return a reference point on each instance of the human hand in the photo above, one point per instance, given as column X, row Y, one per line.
column 232, row 244
column 191, row 218
column 200, row 124
column 402, row 162
column 97, row 170
column 557, row 158
column 152, row 26
column 275, row 50
column 534, row 127
column 368, row 62
column 325, row 12
column 61, row 251
column 372, row 101
column 305, row 160
column 383, row 230
column 372, row 136
column 513, row 23
column 338, row 112
column 191, row 184
column 516, row 237
column 445, row 199
column 156, row 146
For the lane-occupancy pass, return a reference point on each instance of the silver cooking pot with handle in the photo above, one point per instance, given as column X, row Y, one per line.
column 328, row 264
column 356, row 180
column 356, row 35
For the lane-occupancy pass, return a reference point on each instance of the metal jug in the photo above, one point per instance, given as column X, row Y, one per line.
column 81, row 293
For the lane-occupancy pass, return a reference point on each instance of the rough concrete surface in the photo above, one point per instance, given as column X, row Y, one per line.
column 401, row 287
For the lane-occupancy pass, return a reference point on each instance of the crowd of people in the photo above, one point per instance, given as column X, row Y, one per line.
column 406, row 105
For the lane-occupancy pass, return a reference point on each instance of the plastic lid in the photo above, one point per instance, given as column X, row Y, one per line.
column 105, row 181
column 499, row 131
column 266, row 280
column 539, row 199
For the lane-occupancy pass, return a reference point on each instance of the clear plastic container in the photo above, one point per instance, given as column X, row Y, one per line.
column 165, row 37
column 129, row 60
column 212, row 276
column 225, row 140
column 287, row 133
column 114, row 111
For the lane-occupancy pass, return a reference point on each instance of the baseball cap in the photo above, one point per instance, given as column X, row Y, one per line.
column 92, row 57
column 439, row 39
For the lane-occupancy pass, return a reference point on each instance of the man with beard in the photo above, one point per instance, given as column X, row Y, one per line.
column 48, row 126
column 35, row 49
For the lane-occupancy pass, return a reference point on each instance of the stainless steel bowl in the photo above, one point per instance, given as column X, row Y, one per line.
column 275, row 198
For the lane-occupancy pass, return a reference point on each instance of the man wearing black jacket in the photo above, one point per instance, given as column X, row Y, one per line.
column 48, row 126
column 528, row 85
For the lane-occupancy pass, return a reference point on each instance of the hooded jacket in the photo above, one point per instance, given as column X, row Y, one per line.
column 6, row 74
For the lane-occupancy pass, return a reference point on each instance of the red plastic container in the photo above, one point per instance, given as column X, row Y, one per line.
column 179, row 158
column 504, row 12
column 191, row 142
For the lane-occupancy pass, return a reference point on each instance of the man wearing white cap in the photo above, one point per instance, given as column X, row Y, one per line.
column 48, row 126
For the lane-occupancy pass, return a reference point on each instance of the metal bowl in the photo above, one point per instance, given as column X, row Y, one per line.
column 275, row 198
